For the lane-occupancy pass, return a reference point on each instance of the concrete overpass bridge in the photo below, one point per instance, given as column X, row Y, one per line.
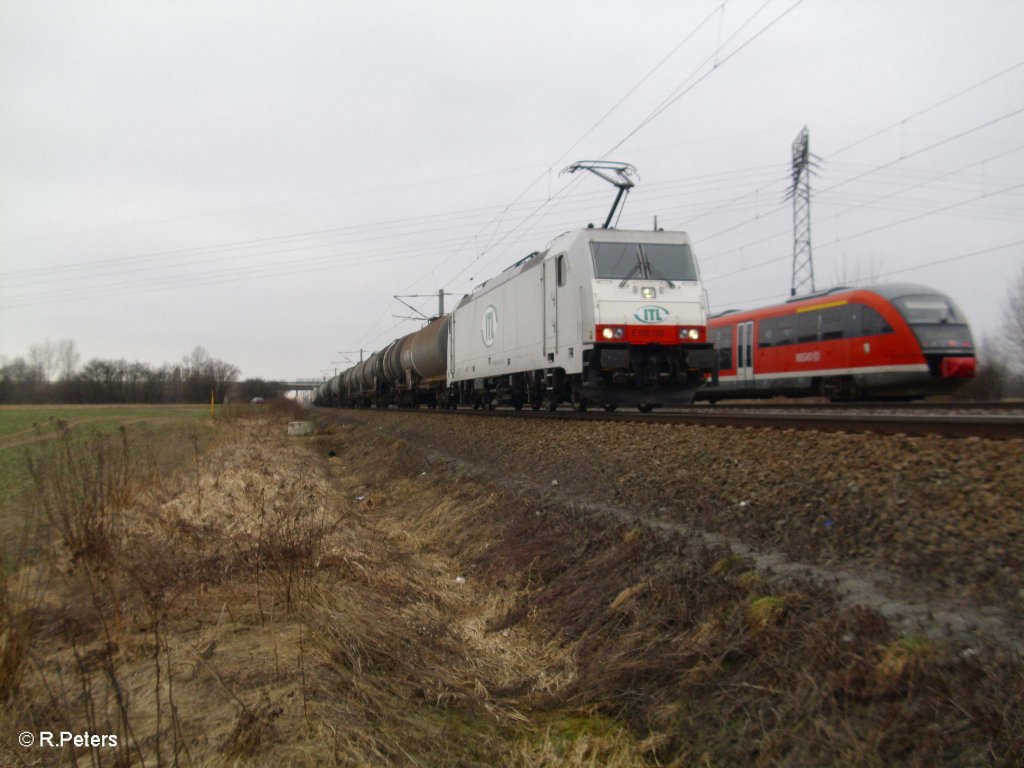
column 299, row 385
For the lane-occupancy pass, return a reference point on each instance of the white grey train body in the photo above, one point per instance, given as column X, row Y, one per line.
column 545, row 316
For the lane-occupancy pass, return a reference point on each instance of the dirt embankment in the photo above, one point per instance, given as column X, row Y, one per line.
column 402, row 590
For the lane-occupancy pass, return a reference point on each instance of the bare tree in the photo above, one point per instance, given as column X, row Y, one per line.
column 44, row 358
column 1013, row 325
column 67, row 358
column 859, row 272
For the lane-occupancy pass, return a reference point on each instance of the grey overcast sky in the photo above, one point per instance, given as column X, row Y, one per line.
column 260, row 178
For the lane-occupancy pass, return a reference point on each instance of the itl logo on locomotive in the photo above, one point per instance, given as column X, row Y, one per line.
column 489, row 327
column 651, row 314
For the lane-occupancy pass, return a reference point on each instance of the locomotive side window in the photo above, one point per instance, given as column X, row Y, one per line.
column 560, row 268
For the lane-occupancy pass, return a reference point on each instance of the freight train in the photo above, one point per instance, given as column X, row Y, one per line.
column 601, row 317
column 896, row 341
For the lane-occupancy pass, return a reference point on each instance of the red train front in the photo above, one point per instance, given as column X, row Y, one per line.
column 887, row 341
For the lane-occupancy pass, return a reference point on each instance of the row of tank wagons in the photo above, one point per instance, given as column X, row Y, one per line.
column 409, row 372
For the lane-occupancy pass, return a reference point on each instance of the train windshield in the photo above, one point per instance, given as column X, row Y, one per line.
column 669, row 262
column 936, row 322
column 648, row 261
column 928, row 309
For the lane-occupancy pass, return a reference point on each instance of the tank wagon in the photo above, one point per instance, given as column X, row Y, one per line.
column 896, row 341
column 411, row 371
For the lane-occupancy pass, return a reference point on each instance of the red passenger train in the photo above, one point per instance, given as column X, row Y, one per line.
column 896, row 341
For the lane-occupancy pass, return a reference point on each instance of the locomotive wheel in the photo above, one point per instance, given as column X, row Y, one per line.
column 535, row 405
column 645, row 407
column 610, row 408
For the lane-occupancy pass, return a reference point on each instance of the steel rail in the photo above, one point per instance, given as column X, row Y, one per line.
column 991, row 426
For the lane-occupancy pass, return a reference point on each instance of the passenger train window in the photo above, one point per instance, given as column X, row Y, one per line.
column 832, row 322
column 777, row 332
column 723, row 343
column 806, row 327
column 872, row 323
column 829, row 324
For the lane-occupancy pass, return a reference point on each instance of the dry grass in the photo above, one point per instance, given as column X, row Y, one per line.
column 342, row 601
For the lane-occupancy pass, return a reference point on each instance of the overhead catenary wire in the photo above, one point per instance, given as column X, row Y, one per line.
column 877, row 168
column 861, row 204
column 533, row 214
column 902, row 270
column 155, row 277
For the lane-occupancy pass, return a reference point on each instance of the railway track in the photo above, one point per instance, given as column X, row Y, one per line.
column 996, row 421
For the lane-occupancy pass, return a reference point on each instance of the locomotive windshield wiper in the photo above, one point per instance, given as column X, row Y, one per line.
column 655, row 276
column 629, row 275
column 649, row 272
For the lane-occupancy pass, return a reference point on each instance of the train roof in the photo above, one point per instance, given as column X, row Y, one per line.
column 558, row 244
column 888, row 291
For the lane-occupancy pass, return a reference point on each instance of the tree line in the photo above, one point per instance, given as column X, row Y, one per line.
column 50, row 373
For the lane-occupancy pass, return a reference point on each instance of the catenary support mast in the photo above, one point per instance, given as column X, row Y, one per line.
column 800, row 191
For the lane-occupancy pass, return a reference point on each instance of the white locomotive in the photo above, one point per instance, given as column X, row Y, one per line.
column 603, row 316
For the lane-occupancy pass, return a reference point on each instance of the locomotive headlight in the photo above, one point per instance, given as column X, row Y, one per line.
column 648, row 292
column 610, row 332
column 689, row 333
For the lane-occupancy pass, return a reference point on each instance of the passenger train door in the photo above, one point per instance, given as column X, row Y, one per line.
column 745, row 353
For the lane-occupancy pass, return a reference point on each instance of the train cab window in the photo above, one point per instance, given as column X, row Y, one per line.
column 872, row 323
column 936, row 322
column 669, row 261
column 560, row 268
column 646, row 261
column 932, row 309
column 616, row 261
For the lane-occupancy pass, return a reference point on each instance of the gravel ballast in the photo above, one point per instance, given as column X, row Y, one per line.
column 923, row 519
